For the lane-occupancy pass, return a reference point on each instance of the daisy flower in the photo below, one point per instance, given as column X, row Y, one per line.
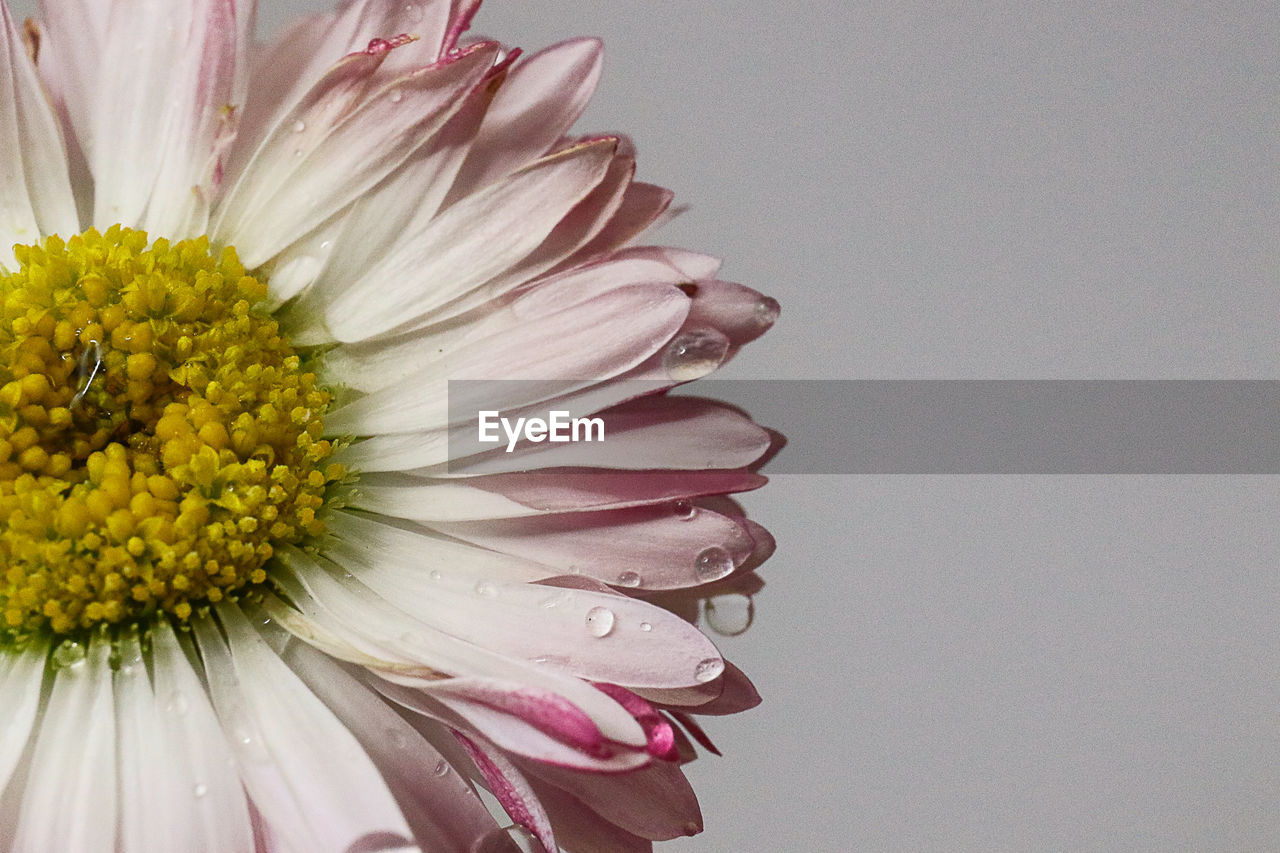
column 249, row 601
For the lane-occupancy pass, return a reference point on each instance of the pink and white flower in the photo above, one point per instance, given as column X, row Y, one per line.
column 420, row 210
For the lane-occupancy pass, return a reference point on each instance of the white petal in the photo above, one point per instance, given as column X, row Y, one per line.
column 469, row 243
column 21, row 680
column 592, row 635
column 70, row 798
column 324, row 593
column 441, row 807
column 35, row 191
column 552, row 354
column 172, row 71
column 344, row 137
column 380, row 540
column 307, row 774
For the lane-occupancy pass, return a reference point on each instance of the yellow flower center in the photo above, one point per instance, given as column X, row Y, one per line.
column 158, row 434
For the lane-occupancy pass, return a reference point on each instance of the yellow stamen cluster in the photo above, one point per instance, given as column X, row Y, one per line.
column 158, row 435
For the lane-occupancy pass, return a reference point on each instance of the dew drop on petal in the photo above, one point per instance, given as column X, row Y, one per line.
column 713, row 564
column 486, row 589
column 684, row 510
column 695, row 353
column 435, row 575
column 200, row 790
column 646, row 627
column 708, row 670
column 600, row 621
column 68, row 653
column 442, row 768
column 766, row 311
column 299, row 126
column 629, row 579
column 396, row 96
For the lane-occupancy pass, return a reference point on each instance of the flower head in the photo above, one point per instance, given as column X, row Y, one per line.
column 252, row 595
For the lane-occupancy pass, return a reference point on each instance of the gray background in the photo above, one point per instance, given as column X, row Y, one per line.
column 981, row 190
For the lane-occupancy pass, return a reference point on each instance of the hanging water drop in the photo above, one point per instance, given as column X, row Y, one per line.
column 684, row 510
column 629, row 579
column 694, row 354
column 708, row 670
column 600, row 621
column 713, row 564
column 730, row 615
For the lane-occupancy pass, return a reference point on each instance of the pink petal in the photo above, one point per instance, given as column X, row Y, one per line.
column 542, row 97
column 512, row 790
column 647, row 548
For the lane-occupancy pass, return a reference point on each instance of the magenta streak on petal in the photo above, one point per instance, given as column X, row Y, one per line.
column 500, row 68
column 692, row 727
column 461, row 23
column 548, row 712
column 504, row 790
column 658, row 732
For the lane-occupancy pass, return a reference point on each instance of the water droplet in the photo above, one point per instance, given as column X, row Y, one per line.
column 767, row 311
column 442, row 768
column 412, row 13
column 486, row 589
column 730, row 615
column 299, row 126
column 600, row 621
column 396, row 96
column 684, row 510
column 708, row 670
column 694, row 354
column 629, row 579
column 646, row 627
column 435, row 575
column 68, row 653
column 200, row 790
column 713, row 564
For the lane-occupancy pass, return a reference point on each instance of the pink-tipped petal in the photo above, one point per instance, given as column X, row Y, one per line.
column 541, row 98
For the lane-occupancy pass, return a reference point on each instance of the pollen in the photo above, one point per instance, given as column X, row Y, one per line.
column 159, row 436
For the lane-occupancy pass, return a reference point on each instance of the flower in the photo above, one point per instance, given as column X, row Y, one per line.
column 249, row 600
